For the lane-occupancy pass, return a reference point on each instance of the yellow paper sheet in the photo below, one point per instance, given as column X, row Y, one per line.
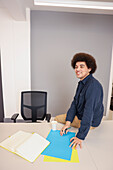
column 74, row 158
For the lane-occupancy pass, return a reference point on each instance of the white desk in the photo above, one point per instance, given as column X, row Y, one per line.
column 96, row 154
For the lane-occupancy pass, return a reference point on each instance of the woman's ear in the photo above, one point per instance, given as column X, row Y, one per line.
column 89, row 70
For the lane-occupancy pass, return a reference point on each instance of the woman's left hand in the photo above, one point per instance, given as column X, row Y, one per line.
column 75, row 142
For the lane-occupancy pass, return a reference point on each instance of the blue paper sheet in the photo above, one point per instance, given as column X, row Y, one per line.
column 59, row 145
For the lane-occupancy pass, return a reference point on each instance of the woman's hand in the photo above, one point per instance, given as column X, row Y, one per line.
column 65, row 129
column 75, row 142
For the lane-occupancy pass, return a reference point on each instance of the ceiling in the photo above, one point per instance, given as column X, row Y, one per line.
column 17, row 8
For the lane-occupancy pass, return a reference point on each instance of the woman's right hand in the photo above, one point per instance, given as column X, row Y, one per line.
column 64, row 129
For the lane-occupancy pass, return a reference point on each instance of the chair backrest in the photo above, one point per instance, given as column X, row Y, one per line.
column 33, row 105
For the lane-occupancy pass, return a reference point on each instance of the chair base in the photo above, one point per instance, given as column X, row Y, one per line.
column 48, row 117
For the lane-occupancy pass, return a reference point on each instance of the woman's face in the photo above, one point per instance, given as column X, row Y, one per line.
column 82, row 70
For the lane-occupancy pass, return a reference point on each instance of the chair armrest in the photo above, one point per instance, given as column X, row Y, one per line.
column 48, row 117
column 14, row 117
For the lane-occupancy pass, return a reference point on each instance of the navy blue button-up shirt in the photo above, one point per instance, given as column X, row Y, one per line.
column 87, row 105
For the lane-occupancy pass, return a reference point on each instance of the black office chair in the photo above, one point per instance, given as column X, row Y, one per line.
column 33, row 106
column 111, row 104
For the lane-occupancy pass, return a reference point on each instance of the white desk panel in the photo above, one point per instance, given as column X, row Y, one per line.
column 92, row 156
column 100, row 145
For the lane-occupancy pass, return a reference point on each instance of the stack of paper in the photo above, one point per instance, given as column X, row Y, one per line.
column 59, row 150
column 28, row 146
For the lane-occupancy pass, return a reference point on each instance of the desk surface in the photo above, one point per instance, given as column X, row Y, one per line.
column 96, row 154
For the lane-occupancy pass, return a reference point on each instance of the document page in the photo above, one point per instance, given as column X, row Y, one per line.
column 12, row 142
column 33, row 147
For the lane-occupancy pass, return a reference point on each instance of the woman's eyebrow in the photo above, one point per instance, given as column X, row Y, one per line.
column 82, row 64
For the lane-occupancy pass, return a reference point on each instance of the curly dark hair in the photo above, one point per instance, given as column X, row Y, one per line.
column 87, row 58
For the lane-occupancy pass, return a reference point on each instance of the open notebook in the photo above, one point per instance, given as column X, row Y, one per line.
column 28, row 146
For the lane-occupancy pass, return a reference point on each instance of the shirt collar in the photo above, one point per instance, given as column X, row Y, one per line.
column 85, row 79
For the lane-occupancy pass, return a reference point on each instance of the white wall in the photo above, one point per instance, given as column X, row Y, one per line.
column 15, row 56
column 15, row 49
column 55, row 38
